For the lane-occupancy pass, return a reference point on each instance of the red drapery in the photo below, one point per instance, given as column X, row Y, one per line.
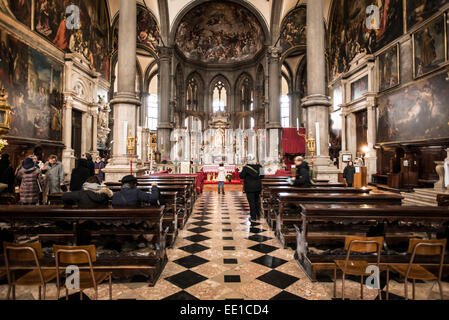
column 292, row 143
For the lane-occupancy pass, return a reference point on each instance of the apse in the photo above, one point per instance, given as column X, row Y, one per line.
column 216, row 32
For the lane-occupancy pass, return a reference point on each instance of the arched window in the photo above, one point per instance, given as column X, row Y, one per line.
column 152, row 104
column 219, row 97
column 285, row 104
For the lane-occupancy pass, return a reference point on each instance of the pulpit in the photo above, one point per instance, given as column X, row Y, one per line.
column 360, row 177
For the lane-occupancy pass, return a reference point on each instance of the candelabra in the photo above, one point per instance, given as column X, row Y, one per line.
column 311, row 144
column 131, row 145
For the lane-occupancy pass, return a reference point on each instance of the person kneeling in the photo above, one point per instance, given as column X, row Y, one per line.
column 92, row 195
column 130, row 196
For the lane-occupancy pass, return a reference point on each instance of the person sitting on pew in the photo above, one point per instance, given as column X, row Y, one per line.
column 302, row 178
column 92, row 195
column 130, row 196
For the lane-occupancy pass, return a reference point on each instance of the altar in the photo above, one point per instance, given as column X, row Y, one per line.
column 210, row 174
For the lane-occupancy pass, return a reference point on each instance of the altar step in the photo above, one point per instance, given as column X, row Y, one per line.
column 420, row 197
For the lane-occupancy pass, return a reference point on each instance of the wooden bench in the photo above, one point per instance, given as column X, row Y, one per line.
column 266, row 184
column 289, row 212
column 269, row 196
column 130, row 241
column 320, row 236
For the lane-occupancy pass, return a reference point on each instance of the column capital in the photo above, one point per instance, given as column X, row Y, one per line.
column 274, row 53
column 126, row 98
column 165, row 52
column 316, row 100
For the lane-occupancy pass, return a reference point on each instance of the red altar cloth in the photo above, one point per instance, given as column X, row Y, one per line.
column 235, row 177
column 198, row 181
column 292, row 143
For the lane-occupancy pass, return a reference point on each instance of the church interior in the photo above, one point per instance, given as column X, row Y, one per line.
column 216, row 150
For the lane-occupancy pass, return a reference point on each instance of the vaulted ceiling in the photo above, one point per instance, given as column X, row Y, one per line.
column 167, row 12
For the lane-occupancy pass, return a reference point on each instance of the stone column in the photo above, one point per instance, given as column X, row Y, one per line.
column 125, row 102
column 317, row 102
column 68, row 158
column 274, row 109
column 371, row 155
column 164, row 125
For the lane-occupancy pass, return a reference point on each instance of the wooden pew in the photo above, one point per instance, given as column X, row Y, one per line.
column 170, row 220
column 320, row 236
column 289, row 207
column 183, row 202
column 112, row 230
column 266, row 184
column 269, row 195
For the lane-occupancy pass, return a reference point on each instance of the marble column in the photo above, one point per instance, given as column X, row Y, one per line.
column 94, row 150
column 164, row 125
column 317, row 102
column 274, row 110
column 125, row 102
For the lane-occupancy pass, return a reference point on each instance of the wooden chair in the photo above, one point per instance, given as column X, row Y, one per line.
column 357, row 267
column 21, row 257
column 416, row 271
column 81, row 256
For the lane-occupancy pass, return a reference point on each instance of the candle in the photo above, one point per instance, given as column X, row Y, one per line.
column 297, row 124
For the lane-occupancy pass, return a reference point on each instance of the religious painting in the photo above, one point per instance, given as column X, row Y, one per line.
column 361, row 27
column 89, row 36
column 359, row 87
column 420, row 10
column 389, row 75
column 294, row 29
column 18, row 9
column 416, row 112
column 429, row 47
column 148, row 33
column 219, row 32
column 33, row 84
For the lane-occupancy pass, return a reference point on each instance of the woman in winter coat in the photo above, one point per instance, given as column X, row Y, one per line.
column 31, row 183
column 348, row 174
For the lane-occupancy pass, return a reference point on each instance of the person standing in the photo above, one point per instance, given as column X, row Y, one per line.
column 221, row 178
column 54, row 173
column 80, row 175
column 348, row 174
column 31, row 183
column 6, row 174
column 99, row 166
column 302, row 178
column 90, row 161
column 251, row 174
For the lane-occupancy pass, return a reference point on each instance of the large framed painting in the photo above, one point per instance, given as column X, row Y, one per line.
column 19, row 9
column 359, row 87
column 429, row 47
column 33, row 84
column 420, row 10
column 90, row 37
column 351, row 35
column 416, row 112
column 389, row 73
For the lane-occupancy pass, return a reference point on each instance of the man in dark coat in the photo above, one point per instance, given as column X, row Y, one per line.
column 302, row 178
column 6, row 174
column 130, row 196
column 80, row 175
column 89, row 159
column 251, row 174
column 92, row 195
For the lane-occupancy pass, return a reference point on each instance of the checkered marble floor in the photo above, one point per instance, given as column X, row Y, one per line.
column 221, row 255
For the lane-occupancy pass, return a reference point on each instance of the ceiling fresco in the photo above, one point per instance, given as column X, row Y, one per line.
column 217, row 32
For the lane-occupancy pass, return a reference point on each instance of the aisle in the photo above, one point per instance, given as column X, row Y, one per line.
column 221, row 255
